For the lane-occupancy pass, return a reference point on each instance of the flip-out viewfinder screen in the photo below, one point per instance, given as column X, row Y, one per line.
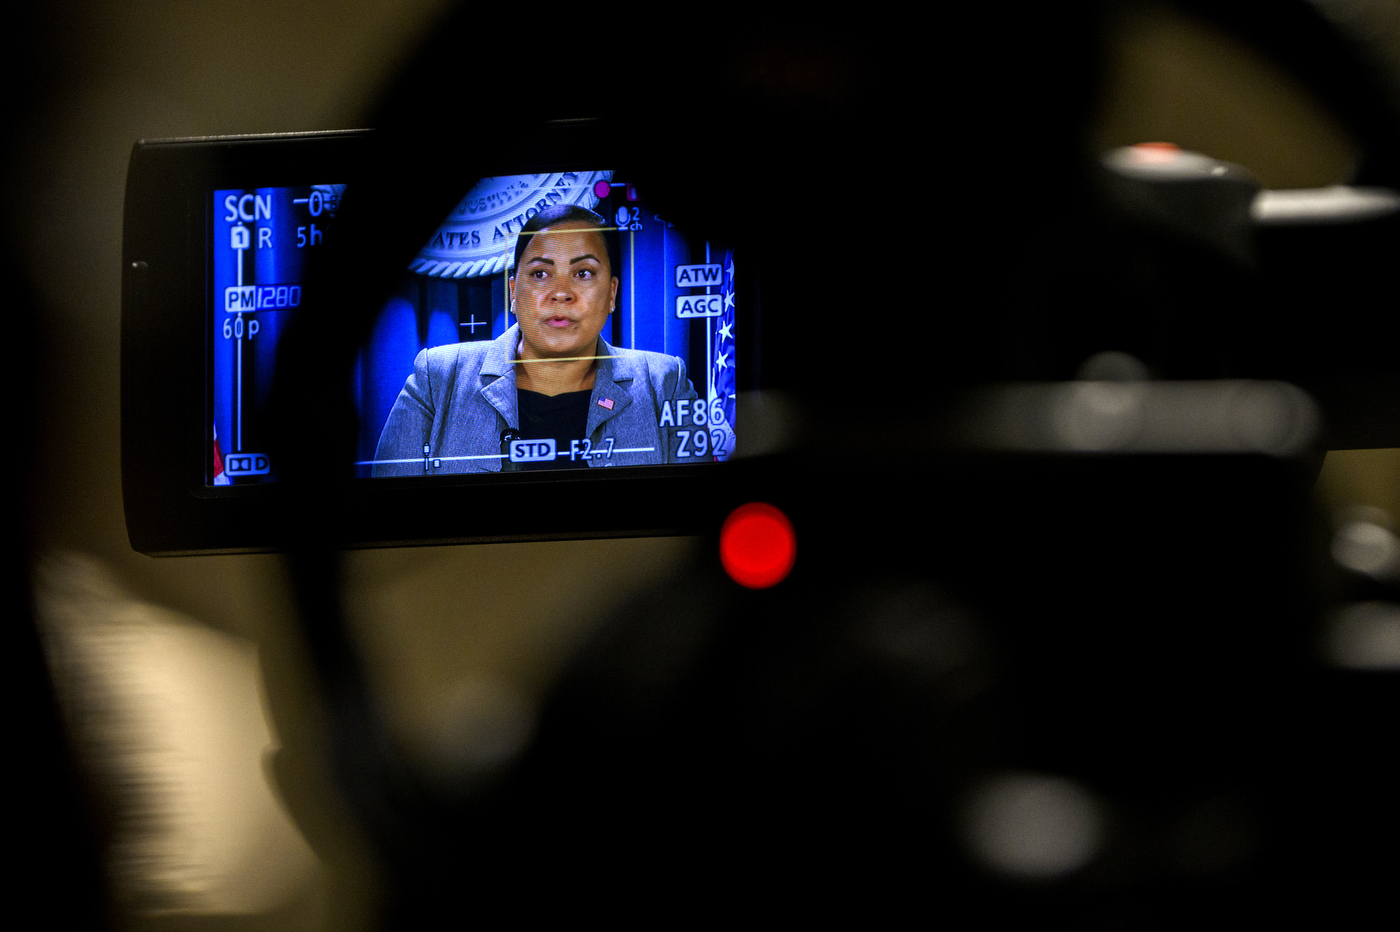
column 553, row 321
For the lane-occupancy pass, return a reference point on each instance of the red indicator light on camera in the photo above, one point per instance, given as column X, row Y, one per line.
column 757, row 545
column 1155, row 152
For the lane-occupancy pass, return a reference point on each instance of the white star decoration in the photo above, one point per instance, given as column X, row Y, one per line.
column 725, row 331
column 720, row 363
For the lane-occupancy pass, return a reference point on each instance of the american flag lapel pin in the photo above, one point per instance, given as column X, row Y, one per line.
column 605, row 403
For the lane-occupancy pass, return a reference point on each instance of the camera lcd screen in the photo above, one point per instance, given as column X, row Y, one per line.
column 552, row 321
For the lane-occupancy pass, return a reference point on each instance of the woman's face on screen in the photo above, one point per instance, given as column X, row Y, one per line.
column 563, row 291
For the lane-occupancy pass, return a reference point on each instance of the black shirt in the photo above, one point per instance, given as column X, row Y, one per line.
column 560, row 418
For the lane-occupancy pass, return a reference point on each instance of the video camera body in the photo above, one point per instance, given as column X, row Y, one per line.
column 1002, row 568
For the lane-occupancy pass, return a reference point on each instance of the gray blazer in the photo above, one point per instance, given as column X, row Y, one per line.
column 460, row 399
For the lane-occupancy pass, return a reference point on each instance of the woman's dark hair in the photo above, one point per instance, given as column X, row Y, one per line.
column 566, row 213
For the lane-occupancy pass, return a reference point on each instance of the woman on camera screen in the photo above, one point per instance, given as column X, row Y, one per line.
column 489, row 406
